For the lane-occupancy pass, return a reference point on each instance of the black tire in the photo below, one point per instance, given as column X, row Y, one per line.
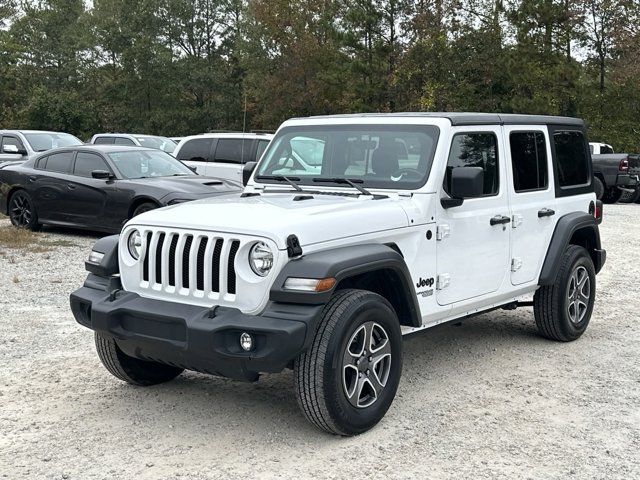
column 129, row 369
column 22, row 211
column 612, row 195
column 144, row 207
column 320, row 371
column 552, row 304
column 598, row 186
column 630, row 197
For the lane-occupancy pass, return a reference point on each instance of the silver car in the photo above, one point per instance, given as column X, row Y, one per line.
column 22, row 145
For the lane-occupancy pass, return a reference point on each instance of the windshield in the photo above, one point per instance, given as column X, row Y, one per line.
column 45, row 141
column 159, row 143
column 148, row 163
column 382, row 156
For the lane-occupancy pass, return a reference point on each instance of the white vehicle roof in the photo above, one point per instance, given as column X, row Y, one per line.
column 249, row 136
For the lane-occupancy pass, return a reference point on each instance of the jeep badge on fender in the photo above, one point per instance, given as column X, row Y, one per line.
column 313, row 266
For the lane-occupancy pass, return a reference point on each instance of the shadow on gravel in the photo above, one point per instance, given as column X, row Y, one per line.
column 200, row 401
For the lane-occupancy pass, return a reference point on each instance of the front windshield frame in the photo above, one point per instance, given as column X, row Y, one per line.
column 164, row 144
column 431, row 131
column 116, row 158
column 68, row 140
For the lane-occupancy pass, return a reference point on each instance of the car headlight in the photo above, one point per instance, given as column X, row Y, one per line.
column 261, row 259
column 134, row 242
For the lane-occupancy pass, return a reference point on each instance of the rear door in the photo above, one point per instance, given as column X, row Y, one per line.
column 196, row 153
column 229, row 158
column 53, row 185
column 533, row 201
column 473, row 238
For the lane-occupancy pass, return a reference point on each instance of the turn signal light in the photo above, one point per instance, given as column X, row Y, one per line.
column 317, row 285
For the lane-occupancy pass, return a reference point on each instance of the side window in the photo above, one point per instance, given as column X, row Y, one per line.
column 87, row 163
column 571, row 158
column 606, row 150
column 123, row 141
column 196, row 150
column 232, row 150
column 478, row 149
column 60, row 162
column 262, row 146
column 529, row 161
column 104, row 141
column 6, row 140
column 42, row 163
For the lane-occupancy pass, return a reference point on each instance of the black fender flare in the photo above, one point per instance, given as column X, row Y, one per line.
column 567, row 226
column 342, row 263
column 109, row 265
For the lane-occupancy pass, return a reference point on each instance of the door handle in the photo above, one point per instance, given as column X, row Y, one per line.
column 499, row 220
column 71, row 186
column 32, row 178
column 546, row 212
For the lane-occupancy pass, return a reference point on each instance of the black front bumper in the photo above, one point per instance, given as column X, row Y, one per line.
column 193, row 337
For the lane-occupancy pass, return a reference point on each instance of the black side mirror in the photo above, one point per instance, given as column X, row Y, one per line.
column 247, row 170
column 193, row 169
column 466, row 182
column 101, row 174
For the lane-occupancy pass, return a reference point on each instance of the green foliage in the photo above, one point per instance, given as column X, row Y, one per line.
column 187, row 66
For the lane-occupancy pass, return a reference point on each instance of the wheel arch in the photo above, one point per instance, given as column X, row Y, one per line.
column 575, row 228
column 137, row 201
column 374, row 267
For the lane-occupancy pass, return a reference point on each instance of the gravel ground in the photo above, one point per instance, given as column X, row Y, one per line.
column 488, row 399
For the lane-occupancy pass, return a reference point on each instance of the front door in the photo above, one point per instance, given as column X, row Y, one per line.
column 533, row 201
column 473, row 238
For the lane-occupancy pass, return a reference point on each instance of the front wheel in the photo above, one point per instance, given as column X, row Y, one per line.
column 346, row 381
column 563, row 310
column 144, row 207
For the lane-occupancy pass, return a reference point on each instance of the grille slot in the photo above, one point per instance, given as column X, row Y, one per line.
column 145, row 264
column 159, row 258
column 172, row 260
column 202, row 248
column 215, row 266
column 185, row 261
column 231, row 270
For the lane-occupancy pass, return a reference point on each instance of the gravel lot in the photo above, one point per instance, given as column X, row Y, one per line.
column 488, row 399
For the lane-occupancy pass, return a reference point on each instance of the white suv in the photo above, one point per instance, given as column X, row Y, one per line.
column 222, row 155
column 392, row 224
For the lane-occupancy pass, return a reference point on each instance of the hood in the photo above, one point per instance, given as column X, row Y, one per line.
column 276, row 216
column 191, row 185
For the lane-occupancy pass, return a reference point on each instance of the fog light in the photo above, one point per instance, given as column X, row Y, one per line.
column 246, row 341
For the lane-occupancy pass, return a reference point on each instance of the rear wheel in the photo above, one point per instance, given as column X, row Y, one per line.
column 630, row 197
column 612, row 195
column 129, row 369
column 144, row 207
column 22, row 211
column 346, row 381
column 598, row 186
column 563, row 310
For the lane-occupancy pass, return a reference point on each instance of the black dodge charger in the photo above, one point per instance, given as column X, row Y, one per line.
column 99, row 187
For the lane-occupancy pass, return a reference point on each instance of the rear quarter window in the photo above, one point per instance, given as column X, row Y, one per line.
column 572, row 162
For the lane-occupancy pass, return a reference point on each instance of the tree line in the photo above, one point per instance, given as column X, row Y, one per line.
column 177, row 67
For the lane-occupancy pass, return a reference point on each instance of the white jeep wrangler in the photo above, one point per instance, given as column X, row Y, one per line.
column 352, row 232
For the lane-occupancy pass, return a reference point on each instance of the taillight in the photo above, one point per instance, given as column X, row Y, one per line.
column 624, row 165
column 595, row 209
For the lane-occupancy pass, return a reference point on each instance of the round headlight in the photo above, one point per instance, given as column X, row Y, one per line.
column 261, row 259
column 134, row 242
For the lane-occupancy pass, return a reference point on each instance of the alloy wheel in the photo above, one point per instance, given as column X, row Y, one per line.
column 20, row 211
column 578, row 295
column 366, row 364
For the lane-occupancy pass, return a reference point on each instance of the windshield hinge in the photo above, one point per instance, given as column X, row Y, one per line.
column 293, row 246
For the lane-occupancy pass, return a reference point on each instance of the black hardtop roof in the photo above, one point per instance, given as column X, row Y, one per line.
column 472, row 118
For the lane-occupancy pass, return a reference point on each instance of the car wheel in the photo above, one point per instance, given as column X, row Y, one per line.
column 630, row 197
column 129, row 369
column 22, row 211
column 598, row 186
column 144, row 207
column 563, row 310
column 347, row 379
column 612, row 195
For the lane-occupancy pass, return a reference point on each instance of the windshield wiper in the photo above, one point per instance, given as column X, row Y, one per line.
column 281, row 178
column 352, row 182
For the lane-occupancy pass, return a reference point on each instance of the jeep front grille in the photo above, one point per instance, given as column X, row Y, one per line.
column 199, row 264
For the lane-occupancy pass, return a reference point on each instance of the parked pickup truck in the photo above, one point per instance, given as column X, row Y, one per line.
column 615, row 174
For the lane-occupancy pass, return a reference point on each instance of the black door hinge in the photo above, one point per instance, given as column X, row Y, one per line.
column 293, row 246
